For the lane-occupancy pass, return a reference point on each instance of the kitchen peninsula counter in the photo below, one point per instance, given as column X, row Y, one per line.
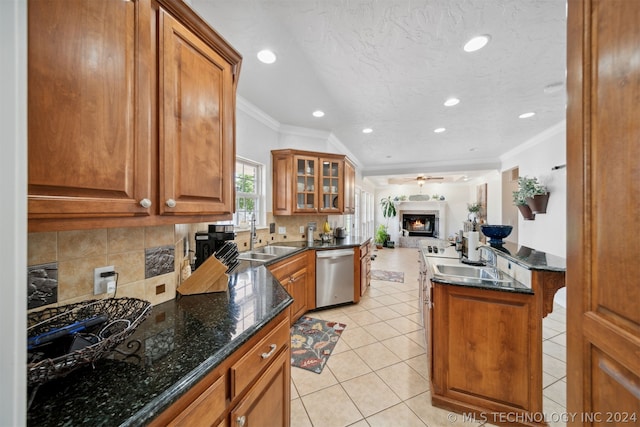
column 180, row 343
column 484, row 340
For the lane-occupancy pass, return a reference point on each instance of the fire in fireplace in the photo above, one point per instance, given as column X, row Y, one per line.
column 420, row 224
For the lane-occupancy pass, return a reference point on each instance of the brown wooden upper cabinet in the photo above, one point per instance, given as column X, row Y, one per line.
column 307, row 182
column 130, row 115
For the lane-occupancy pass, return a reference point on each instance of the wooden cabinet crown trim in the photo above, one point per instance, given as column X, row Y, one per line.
column 201, row 28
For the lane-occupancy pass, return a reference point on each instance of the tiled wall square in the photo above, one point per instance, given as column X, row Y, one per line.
column 131, row 290
column 128, row 265
column 159, row 236
column 125, row 239
column 42, row 248
column 159, row 261
column 169, row 280
column 81, row 244
column 76, row 276
column 42, row 285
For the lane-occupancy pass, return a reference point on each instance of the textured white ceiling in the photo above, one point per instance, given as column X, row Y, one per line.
column 391, row 64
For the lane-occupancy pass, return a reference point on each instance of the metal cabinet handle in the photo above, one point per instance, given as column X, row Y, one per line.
column 145, row 203
column 171, row 203
column 268, row 355
column 241, row 421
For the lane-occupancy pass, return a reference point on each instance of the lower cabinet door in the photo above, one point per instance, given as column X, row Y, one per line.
column 206, row 408
column 268, row 402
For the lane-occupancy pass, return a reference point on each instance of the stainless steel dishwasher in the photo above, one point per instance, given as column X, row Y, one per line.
column 334, row 277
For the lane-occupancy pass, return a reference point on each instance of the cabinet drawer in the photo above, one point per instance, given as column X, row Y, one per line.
column 259, row 357
column 206, row 408
column 284, row 269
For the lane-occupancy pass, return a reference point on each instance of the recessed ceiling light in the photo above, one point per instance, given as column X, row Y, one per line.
column 527, row 115
column 367, row 130
column 267, row 56
column 439, row 130
column 318, row 113
column 451, row 102
column 477, row 43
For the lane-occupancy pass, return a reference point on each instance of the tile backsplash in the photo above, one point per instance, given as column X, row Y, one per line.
column 147, row 259
column 77, row 253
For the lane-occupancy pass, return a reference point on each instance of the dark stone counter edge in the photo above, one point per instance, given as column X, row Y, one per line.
column 516, row 287
column 551, row 262
column 172, row 394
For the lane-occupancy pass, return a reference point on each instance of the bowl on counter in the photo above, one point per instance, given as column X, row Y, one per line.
column 496, row 233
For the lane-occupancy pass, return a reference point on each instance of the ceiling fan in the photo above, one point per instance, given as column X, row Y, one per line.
column 420, row 180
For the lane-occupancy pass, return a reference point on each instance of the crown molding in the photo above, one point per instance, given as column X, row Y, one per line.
column 256, row 113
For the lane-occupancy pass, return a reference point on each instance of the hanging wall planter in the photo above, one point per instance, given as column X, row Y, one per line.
column 538, row 203
column 525, row 210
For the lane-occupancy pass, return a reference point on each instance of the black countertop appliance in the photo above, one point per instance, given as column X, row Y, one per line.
column 208, row 242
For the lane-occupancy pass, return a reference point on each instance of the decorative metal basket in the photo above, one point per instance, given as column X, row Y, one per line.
column 117, row 319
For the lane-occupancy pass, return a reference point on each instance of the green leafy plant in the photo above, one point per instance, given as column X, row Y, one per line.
column 381, row 234
column 474, row 207
column 531, row 186
column 388, row 208
column 519, row 198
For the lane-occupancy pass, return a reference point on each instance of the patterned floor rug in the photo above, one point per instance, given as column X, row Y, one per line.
column 312, row 341
column 389, row 276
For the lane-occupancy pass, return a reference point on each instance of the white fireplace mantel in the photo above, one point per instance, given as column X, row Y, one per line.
column 426, row 207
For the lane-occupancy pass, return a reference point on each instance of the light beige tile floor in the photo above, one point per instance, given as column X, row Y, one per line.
column 377, row 374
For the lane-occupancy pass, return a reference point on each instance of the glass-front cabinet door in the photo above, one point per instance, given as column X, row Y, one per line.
column 330, row 191
column 306, row 170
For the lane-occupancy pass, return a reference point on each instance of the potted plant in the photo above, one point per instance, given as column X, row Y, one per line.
column 381, row 236
column 520, row 201
column 474, row 210
column 536, row 194
column 388, row 211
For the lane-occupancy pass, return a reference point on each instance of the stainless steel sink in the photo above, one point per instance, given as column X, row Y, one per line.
column 466, row 273
column 275, row 250
column 266, row 253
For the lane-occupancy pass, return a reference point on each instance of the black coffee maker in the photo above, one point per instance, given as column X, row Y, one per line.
column 208, row 242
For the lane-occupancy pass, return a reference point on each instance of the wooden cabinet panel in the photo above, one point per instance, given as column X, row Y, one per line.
column 306, row 182
column 298, row 289
column 283, row 179
column 208, row 407
column 246, row 370
column 486, row 346
column 603, row 320
column 365, row 267
column 131, row 115
column 268, row 402
column 298, row 279
column 331, row 185
column 238, row 384
column 196, row 127
column 88, row 77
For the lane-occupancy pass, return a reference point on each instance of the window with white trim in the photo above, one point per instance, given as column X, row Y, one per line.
column 249, row 192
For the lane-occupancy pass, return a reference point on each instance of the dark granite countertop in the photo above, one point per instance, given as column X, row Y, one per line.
column 181, row 341
column 450, row 256
column 347, row 242
column 529, row 258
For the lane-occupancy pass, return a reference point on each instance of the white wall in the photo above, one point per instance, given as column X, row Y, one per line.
column 13, row 227
column 256, row 135
column 494, row 195
column 537, row 157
